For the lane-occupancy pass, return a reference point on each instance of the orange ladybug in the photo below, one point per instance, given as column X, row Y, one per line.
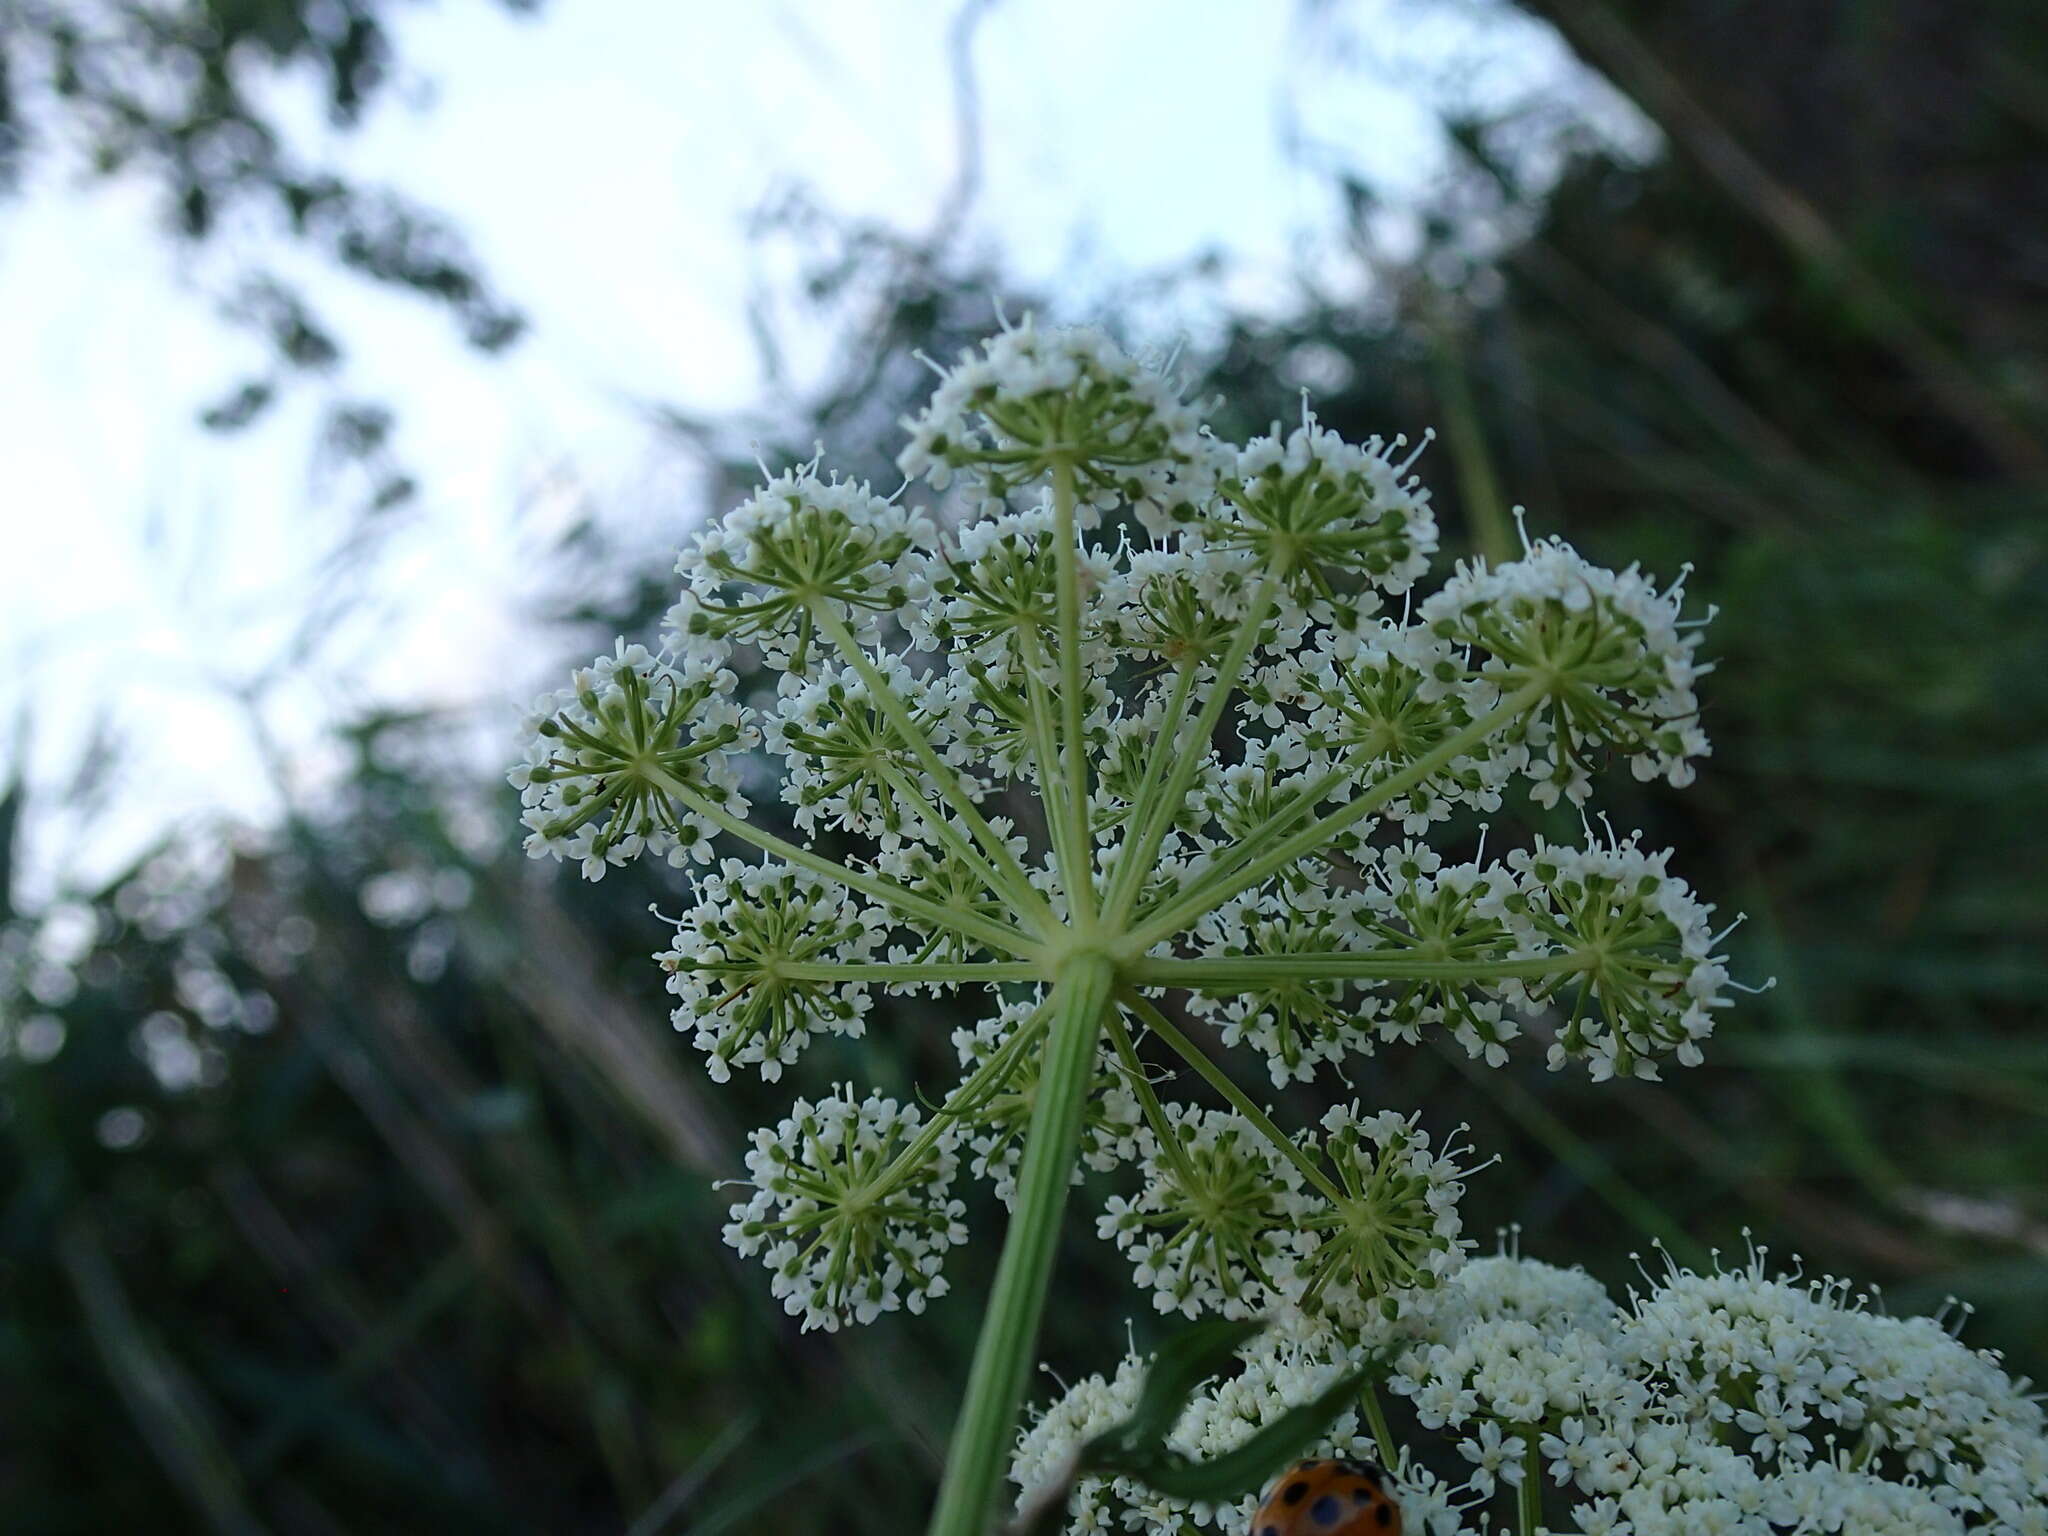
column 1328, row 1498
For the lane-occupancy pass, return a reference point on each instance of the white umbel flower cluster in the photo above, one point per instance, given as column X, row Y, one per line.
column 1627, row 656
column 1034, row 399
column 1216, row 1224
column 1388, row 1233
column 801, row 545
column 850, row 1226
column 1136, row 706
column 1327, row 512
column 1648, row 993
column 604, row 751
column 1357, row 1220
column 1731, row 1402
column 1653, row 990
column 731, row 965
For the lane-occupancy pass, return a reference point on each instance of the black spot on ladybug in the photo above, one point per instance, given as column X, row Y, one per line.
column 1362, row 1493
column 1294, row 1493
column 1271, row 1530
column 1385, row 1514
column 1325, row 1510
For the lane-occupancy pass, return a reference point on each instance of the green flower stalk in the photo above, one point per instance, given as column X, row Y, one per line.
column 1118, row 731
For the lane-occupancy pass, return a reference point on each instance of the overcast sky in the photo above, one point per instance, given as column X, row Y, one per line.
column 601, row 158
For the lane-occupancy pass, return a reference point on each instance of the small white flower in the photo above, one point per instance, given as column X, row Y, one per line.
column 1496, row 1457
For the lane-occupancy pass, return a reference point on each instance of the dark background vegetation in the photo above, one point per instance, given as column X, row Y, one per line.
column 425, row 1240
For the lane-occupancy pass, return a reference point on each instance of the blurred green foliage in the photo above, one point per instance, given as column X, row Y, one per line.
column 369, row 1189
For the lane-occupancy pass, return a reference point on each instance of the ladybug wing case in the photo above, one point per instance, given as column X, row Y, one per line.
column 1328, row 1498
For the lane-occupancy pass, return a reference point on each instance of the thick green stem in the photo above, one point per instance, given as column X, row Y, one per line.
column 980, row 1447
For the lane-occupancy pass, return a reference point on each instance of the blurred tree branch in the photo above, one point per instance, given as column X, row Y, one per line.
column 171, row 94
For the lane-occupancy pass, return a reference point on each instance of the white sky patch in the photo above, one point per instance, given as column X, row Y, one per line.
column 601, row 160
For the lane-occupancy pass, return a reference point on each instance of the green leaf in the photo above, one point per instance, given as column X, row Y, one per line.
column 1240, row 1471
column 1182, row 1364
column 1137, row 1447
